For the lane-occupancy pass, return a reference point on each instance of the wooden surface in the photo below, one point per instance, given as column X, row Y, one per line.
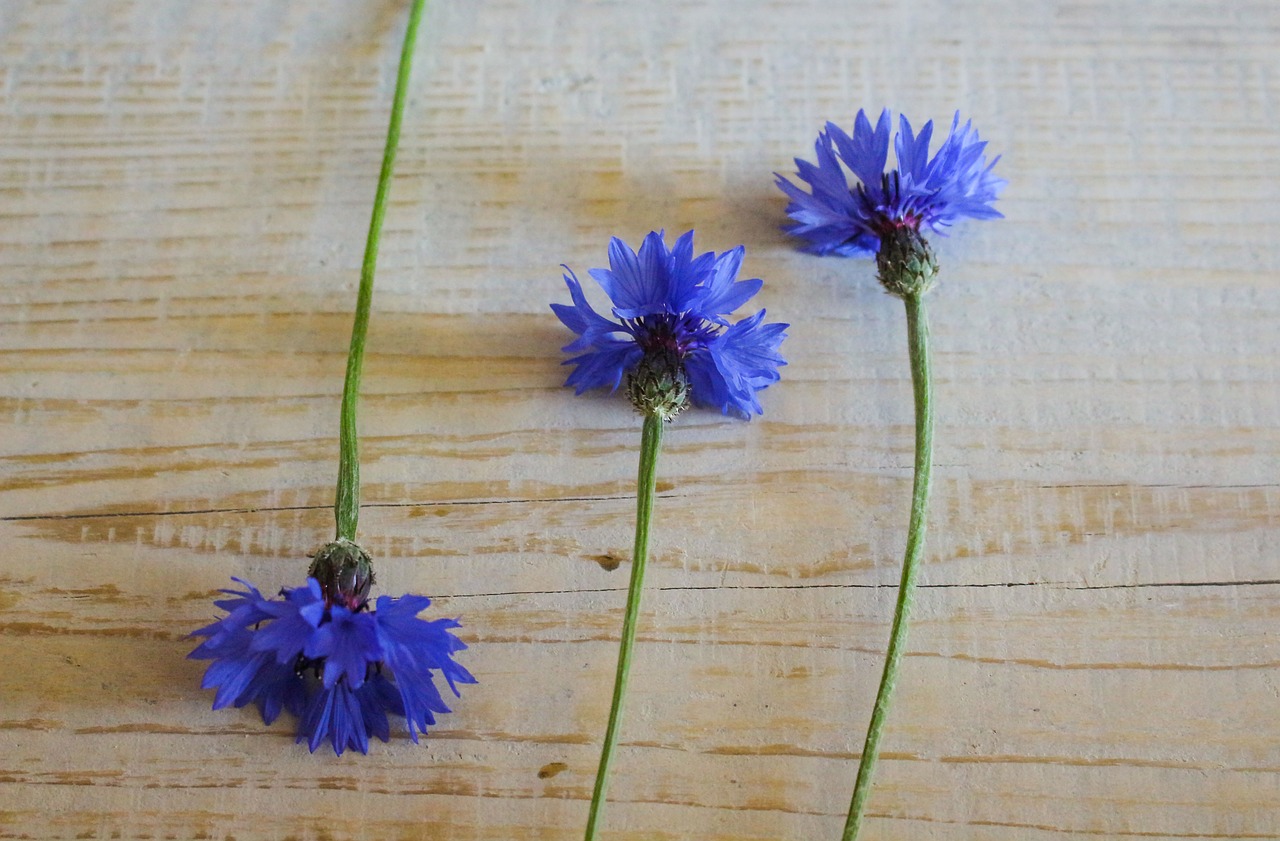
column 185, row 188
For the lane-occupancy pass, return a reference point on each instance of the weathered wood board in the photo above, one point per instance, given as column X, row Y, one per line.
column 185, row 188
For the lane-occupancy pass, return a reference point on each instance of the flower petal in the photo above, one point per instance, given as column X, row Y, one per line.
column 723, row 293
column 294, row 620
column 932, row 192
column 348, row 642
column 413, row 649
column 581, row 318
column 336, row 714
column 747, row 357
column 604, row 365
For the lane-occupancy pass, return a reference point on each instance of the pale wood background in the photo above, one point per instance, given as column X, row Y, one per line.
column 185, row 188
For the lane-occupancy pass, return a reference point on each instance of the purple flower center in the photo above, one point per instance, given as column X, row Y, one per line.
column 303, row 664
column 680, row 334
column 885, row 213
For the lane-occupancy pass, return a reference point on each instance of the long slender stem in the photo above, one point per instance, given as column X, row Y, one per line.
column 650, row 444
column 922, row 384
column 346, row 508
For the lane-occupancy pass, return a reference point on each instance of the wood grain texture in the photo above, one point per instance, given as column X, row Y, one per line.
column 184, row 190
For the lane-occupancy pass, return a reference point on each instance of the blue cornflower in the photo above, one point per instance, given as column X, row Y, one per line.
column 852, row 221
column 670, row 308
column 340, row 668
column 886, row 214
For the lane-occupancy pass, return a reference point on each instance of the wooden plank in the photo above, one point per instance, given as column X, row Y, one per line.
column 184, row 190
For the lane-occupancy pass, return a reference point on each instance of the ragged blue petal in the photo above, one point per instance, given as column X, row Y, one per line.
column 834, row 216
column 348, row 643
column 671, row 303
column 336, row 678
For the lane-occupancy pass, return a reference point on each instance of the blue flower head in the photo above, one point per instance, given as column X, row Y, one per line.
column 336, row 665
column 670, row 309
column 852, row 219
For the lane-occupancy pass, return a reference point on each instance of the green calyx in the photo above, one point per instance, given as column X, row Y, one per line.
column 344, row 572
column 906, row 262
column 659, row 386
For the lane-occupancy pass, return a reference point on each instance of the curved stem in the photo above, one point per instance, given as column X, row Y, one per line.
column 650, row 443
column 346, row 507
column 922, row 383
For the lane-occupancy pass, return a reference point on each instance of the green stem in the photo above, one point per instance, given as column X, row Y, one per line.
column 346, row 507
column 922, row 383
column 650, row 443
